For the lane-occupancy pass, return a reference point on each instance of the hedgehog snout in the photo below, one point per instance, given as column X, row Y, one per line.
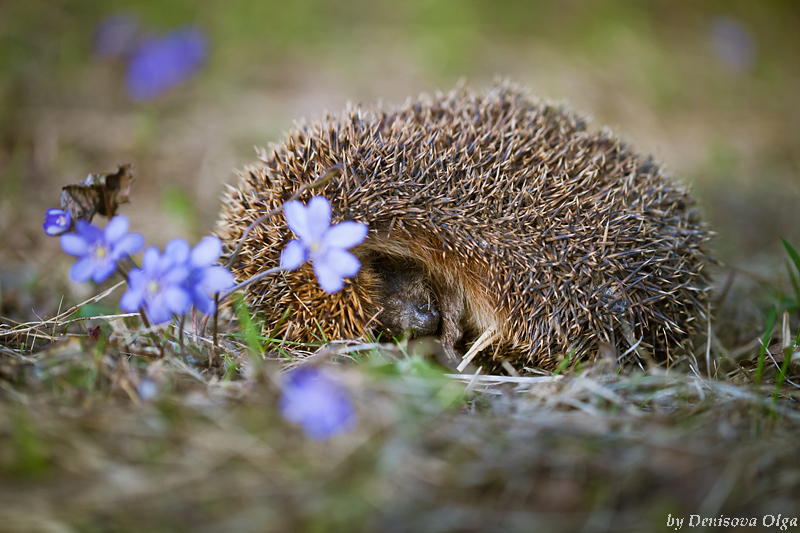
column 423, row 318
column 405, row 313
column 406, row 298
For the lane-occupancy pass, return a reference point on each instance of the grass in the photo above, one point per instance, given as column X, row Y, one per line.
column 596, row 447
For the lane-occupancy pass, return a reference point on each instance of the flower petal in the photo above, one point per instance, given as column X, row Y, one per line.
column 318, row 216
column 328, row 278
column 317, row 403
column 293, row 255
column 175, row 274
column 217, row 279
column 202, row 301
column 343, row 262
column 89, row 232
column 116, row 35
column 177, row 300
column 295, row 214
column 130, row 244
column 103, row 270
column 207, row 251
column 74, row 245
column 158, row 312
column 137, row 279
column 116, row 228
column 150, row 259
column 81, row 270
column 131, row 300
column 56, row 221
column 177, row 250
column 162, row 63
column 346, row 234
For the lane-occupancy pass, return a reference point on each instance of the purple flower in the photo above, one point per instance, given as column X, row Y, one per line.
column 116, row 35
column 317, row 403
column 206, row 278
column 733, row 44
column 99, row 250
column 160, row 64
column 325, row 245
column 159, row 285
column 56, row 221
column 147, row 389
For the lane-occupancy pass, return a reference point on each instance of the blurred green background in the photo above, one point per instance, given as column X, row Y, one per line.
column 710, row 88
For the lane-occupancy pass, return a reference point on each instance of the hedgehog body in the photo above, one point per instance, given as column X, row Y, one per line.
column 515, row 218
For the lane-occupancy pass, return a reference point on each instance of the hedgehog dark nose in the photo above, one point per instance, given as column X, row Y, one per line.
column 424, row 319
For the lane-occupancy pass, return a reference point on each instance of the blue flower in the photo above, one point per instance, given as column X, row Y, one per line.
column 733, row 44
column 159, row 285
column 160, row 64
column 56, row 221
column 147, row 389
column 116, row 35
column 99, row 250
column 205, row 277
column 317, row 403
column 325, row 245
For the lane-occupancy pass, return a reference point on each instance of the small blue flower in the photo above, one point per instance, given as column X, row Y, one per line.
column 325, row 245
column 205, row 277
column 56, row 221
column 116, row 35
column 159, row 285
column 733, row 44
column 99, row 250
column 160, row 64
column 317, row 403
column 147, row 389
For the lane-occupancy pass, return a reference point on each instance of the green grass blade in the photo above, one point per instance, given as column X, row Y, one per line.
column 563, row 364
column 764, row 342
column 787, row 356
column 792, row 253
column 251, row 334
column 796, row 284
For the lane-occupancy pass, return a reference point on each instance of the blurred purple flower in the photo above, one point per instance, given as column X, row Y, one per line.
column 56, row 221
column 205, row 277
column 161, row 63
column 147, row 389
column 99, row 250
column 317, row 403
column 733, row 44
column 325, row 245
column 159, row 286
column 116, row 35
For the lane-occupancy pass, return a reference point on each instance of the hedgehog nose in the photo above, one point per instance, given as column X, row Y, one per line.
column 424, row 319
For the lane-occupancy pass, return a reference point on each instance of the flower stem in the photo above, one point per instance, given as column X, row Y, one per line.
column 180, row 332
column 144, row 318
column 216, row 317
column 251, row 280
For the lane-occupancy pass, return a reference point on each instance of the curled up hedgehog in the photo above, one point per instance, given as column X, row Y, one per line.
column 498, row 223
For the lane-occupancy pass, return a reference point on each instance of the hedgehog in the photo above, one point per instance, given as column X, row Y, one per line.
column 498, row 222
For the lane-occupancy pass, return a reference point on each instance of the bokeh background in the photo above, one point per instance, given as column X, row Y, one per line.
column 710, row 88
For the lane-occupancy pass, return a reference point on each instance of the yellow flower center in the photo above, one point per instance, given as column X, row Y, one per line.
column 100, row 251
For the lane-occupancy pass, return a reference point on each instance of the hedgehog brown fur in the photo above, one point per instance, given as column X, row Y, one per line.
column 525, row 223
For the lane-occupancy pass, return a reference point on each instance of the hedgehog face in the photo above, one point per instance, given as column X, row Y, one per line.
column 405, row 295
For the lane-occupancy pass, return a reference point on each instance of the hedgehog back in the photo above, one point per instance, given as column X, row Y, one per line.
column 558, row 237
